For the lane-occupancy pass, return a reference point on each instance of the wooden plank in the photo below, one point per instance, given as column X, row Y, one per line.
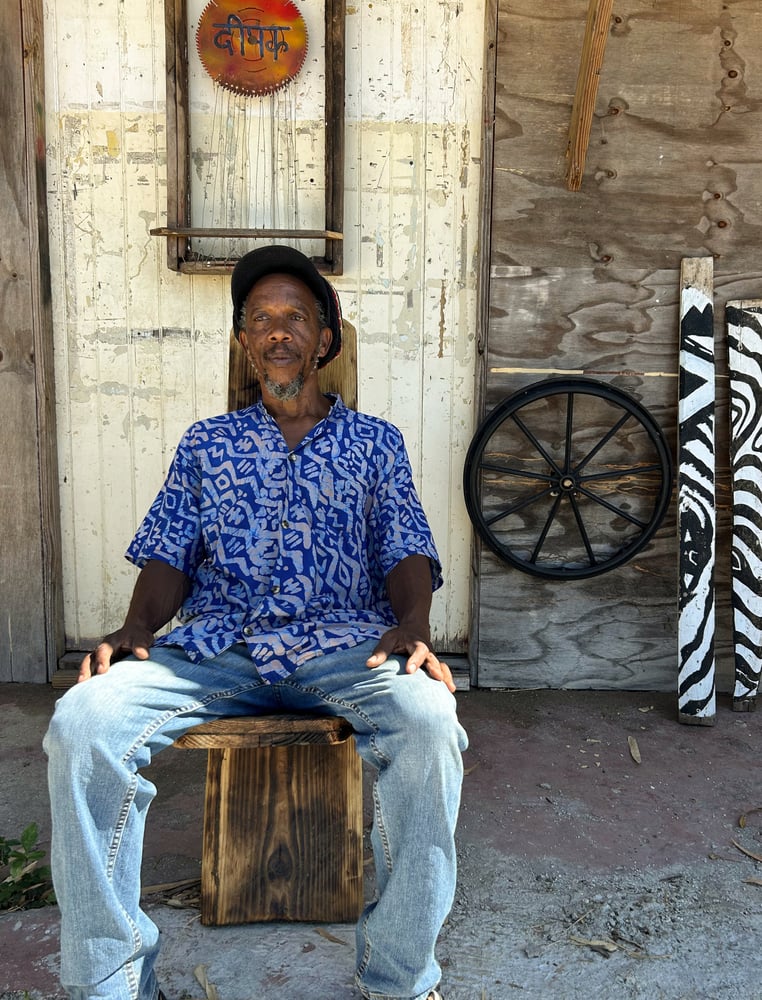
column 696, row 495
column 52, row 624
column 31, row 633
column 744, row 326
column 491, row 34
column 285, row 234
column 593, row 50
column 265, row 730
column 283, row 835
column 592, row 634
column 335, row 58
column 669, row 163
column 177, row 102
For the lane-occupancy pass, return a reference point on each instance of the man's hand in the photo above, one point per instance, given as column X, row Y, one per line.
column 124, row 642
column 421, row 656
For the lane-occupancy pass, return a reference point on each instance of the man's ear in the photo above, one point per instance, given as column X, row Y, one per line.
column 243, row 340
column 326, row 336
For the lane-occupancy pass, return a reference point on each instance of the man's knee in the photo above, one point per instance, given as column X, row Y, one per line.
column 431, row 718
column 79, row 717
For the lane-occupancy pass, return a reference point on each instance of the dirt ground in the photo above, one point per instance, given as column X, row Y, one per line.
column 583, row 873
column 587, row 874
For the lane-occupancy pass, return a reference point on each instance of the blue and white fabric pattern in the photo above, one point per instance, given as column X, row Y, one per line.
column 287, row 550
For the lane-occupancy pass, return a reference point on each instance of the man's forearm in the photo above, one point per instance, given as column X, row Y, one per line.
column 409, row 589
column 159, row 591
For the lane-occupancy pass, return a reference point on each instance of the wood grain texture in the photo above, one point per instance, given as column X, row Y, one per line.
column 591, row 61
column 175, row 59
column 31, row 635
column 265, row 730
column 282, row 835
column 588, row 283
column 672, row 166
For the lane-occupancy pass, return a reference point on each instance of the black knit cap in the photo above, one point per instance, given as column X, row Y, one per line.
column 286, row 260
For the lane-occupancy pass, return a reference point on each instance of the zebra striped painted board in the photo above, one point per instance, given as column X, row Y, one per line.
column 744, row 323
column 696, row 514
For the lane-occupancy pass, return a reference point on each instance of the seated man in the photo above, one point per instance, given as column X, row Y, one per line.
column 289, row 540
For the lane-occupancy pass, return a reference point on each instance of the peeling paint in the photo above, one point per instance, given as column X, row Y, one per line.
column 112, row 143
column 160, row 338
column 162, row 333
column 442, row 321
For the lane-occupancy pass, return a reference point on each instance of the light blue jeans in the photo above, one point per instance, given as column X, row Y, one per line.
column 106, row 729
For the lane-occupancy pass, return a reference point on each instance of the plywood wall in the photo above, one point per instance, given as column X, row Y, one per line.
column 589, row 282
column 142, row 351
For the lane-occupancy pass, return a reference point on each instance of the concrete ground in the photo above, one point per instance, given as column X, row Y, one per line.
column 583, row 873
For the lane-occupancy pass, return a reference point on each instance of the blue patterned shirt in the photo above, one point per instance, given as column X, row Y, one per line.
column 287, row 550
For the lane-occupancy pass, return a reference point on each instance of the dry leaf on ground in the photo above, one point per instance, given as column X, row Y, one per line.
column 746, row 851
column 330, row 937
column 209, row 988
column 602, row 945
column 749, row 812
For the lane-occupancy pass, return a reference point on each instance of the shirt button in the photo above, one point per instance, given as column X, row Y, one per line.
column 276, row 589
column 284, row 523
column 248, row 630
column 291, row 456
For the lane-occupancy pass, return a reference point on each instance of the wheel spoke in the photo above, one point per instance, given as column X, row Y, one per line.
column 569, row 427
column 583, row 532
column 634, row 470
column 603, row 441
column 514, row 508
column 540, row 449
column 510, row 471
column 544, row 533
column 613, row 509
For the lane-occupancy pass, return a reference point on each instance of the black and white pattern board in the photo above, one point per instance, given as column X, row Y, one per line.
column 744, row 325
column 696, row 517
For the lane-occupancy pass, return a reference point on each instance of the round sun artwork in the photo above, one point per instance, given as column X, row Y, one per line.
column 252, row 48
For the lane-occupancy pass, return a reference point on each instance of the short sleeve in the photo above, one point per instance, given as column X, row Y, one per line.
column 398, row 523
column 171, row 530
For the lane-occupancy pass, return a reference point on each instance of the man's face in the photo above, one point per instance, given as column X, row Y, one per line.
column 282, row 335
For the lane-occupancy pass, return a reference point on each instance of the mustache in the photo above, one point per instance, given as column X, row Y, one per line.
column 280, row 351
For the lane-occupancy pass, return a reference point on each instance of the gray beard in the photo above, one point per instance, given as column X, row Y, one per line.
column 286, row 392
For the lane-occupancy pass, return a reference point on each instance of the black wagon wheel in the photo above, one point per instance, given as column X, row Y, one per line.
column 568, row 478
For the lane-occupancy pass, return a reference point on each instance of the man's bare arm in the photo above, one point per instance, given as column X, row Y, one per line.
column 159, row 591
column 409, row 589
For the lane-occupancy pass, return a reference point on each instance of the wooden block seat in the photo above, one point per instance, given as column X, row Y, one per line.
column 282, row 819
